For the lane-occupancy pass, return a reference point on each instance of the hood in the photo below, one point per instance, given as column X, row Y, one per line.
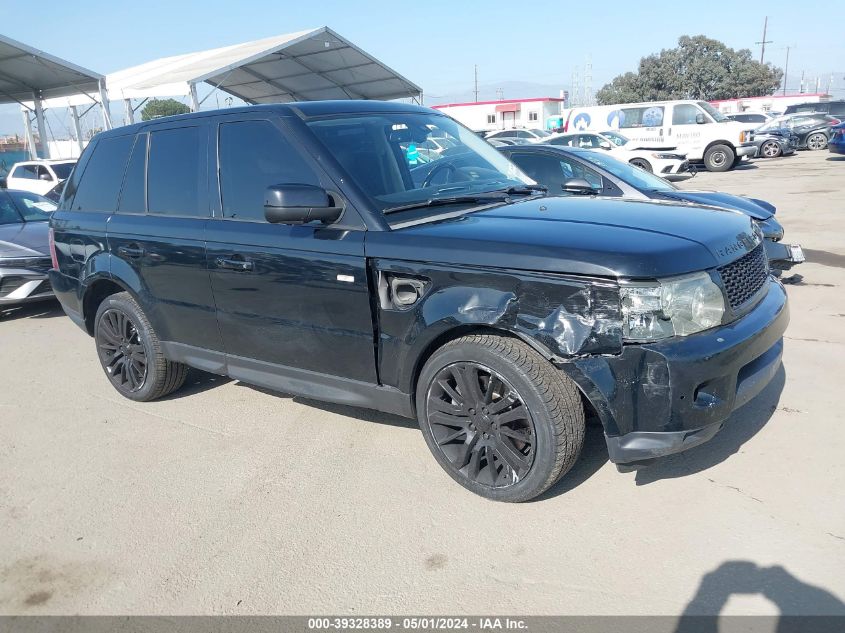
column 757, row 209
column 781, row 131
column 578, row 235
column 29, row 239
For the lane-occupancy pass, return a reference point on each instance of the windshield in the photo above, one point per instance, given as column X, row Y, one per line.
column 25, row 206
column 540, row 133
column 634, row 176
column 709, row 109
column 381, row 153
column 62, row 170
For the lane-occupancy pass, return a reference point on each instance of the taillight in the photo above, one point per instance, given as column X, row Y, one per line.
column 53, row 249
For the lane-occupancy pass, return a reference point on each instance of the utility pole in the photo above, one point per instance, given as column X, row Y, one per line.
column 765, row 41
column 786, row 71
column 476, row 83
column 588, row 81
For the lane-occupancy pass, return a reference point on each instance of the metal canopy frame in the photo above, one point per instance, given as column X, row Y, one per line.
column 28, row 76
column 303, row 66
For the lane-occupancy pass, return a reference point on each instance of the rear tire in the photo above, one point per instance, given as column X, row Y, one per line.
column 642, row 163
column 130, row 352
column 816, row 141
column 499, row 418
column 719, row 158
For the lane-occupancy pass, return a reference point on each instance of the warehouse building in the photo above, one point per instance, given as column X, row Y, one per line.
column 505, row 115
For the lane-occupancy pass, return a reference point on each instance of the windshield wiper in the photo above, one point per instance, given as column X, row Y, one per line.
column 494, row 196
column 527, row 189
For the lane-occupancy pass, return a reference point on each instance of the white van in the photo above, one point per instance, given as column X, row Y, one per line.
column 694, row 127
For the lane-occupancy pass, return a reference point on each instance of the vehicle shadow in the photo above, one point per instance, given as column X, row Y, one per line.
column 743, row 424
column 746, row 165
column 794, row 599
column 197, row 382
column 356, row 413
column 836, row 159
column 34, row 310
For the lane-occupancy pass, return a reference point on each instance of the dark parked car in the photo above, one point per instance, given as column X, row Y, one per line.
column 573, row 171
column 288, row 246
column 774, row 142
column 56, row 192
column 833, row 108
column 837, row 141
column 812, row 131
column 24, row 247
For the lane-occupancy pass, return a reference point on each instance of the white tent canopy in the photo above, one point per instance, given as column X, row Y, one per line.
column 28, row 76
column 303, row 66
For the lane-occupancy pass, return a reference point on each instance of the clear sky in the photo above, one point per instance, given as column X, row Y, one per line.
column 436, row 43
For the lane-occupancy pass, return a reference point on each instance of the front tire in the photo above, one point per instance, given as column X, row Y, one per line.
column 816, row 141
column 498, row 417
column 719, row 158
column 770, row 149
column 642, row 163
column 130, row 352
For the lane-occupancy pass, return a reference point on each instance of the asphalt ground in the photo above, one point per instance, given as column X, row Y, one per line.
column 229, row 499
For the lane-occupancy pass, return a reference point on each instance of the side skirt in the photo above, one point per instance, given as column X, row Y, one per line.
column 293, row 381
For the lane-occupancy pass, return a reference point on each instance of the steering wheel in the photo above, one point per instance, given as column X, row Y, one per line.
column 440, row 166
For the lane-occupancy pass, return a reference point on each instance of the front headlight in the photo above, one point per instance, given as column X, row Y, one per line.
column 663, row 156
column 675, row 306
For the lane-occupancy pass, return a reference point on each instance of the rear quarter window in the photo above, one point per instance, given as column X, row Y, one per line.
column 97, row 188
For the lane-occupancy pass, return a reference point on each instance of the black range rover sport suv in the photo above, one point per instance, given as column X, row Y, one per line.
column 311, row 248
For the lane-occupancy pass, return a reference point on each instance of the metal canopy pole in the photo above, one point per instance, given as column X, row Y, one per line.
column 42, row 128
column 195, row 102
column 104, row 104
column 77, row 129
column 27, row 129
column 129, row 113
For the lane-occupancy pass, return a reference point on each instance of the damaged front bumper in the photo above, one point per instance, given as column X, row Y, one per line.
column 665, row 397
column 783, row 256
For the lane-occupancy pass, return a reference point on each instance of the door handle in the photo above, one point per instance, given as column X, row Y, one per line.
column 236, row 262
column 133, row 251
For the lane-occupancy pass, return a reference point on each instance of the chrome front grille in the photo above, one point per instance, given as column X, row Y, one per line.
column 745, row 277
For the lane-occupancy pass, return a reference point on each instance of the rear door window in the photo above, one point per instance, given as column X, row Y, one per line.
column 176, row 172
column 99, row 185
column 254, row 155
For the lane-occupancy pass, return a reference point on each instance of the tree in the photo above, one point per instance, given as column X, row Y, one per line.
column 699, row 68
column 162, row 107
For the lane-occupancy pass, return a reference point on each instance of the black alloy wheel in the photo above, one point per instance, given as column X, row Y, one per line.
column 481, row 425
column 121, row 350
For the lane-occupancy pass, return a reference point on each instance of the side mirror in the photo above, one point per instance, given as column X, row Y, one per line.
column 46, row 177
column 606, row 145
column 579, row 186
column 699, row 118
column 299, row 204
